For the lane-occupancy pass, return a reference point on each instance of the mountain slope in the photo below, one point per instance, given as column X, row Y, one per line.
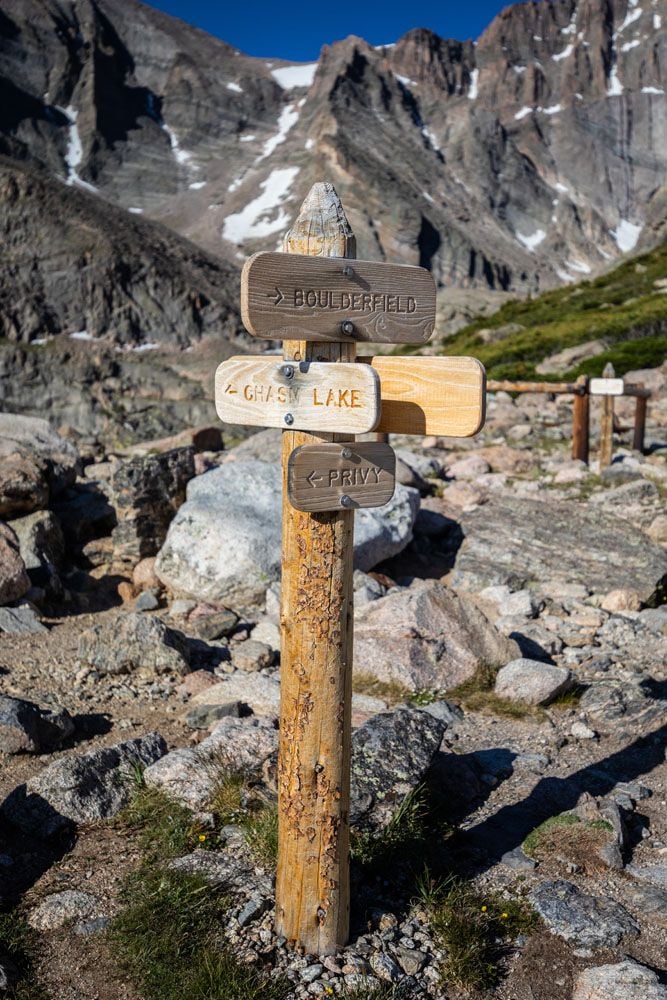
column 517, row 163
column 619, row 317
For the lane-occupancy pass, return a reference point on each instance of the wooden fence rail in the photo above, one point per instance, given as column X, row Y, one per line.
column 581, row 391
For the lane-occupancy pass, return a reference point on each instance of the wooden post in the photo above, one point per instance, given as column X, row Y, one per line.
column 607, row 422
column 640, row 421
column 581, row 421
column 312, row 878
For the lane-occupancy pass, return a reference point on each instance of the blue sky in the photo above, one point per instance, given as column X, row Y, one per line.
column 297, row 30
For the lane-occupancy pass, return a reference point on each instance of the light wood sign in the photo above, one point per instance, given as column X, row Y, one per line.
column 322, row 477
column 313, row 396
column 606, row 387
column 291, row 297
column 441, row 396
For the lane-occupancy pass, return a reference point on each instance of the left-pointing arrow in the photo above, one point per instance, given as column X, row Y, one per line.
column 278, row 297
column 313, row 479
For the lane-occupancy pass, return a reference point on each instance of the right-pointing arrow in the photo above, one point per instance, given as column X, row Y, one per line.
column 278, row 297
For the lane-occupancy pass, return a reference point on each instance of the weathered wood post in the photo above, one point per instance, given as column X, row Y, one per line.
column 581, row 421
column 607, row 422
column 640, row 421
column 312, row 879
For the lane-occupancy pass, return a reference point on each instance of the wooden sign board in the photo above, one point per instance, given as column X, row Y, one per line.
column 441, row 396
column 308, row 396
column 291, row 297
column 606, row 387
column 326, row 477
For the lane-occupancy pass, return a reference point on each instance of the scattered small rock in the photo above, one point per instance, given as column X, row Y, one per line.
column 531, row 681
column 64, row 908
column 134, row 642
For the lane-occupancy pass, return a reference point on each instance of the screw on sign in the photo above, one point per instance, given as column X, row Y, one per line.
column 321, row 394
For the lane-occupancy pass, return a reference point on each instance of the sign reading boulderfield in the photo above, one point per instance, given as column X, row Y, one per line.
column 267, row 392
column 323, row 477
column 291, row 297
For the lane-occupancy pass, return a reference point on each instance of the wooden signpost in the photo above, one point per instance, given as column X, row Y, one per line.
column 286, row 297
column 321, row 301
column 332, row 476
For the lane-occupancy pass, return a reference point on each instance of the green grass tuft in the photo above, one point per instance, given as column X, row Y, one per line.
column 165, row 828
column 17, row 944
column 406, row 832
column 477, row 695
column 536, row 836
column 168, row 939
column 472, row 929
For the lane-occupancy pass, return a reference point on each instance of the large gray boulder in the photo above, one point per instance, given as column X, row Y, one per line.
column 27, row 728
column 626, row 980
column 516, row 541
column 426, row 637
column 191, row 774
column 531, row 681
column 391, row 754
column 43, row 449
column 224, row 543
column 587, row 922
column 134, row 642
column 81, row 789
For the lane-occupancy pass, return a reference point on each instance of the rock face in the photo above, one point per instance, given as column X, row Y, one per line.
column 80, row 789
column 134, row 642
column 426, row 637
column 48, row 454
column 391, row 754
column 27, row 728
column 531, row 682
column 14, row 580
column 511, row 541
column 628, row 980
column 224, row 543
column 147, row 491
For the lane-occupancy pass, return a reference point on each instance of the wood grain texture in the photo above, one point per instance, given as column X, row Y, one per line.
column 287, row 296
column 441, row 396
column 319, row 397
column 640, row 424
column 581, row 421
column 312, row 875
column 607, row 421
column 319, row 475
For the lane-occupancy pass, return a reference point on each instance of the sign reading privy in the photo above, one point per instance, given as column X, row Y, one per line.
column 309, row 396
column 441, row 396
column 290, row 297
column 323, row 477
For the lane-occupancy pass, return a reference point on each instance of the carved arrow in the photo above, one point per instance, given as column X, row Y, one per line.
column 277, row 299
column 313, row 478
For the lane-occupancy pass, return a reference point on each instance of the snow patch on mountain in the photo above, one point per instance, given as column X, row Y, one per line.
column 626, row 235
column 254, row 221
column 288, row 118
column 290, row 77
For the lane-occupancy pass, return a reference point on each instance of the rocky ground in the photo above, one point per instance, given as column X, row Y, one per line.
column 510, row 676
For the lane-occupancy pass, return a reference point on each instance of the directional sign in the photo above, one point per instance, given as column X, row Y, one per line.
column 290, row 297
column 606, row 387
column 323, row 477
column 441, row 396
column 310, row 396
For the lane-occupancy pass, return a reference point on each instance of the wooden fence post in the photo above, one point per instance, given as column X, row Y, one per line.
column 607, row 422
column 581, row 421
column 312, row 878
column 640, row 421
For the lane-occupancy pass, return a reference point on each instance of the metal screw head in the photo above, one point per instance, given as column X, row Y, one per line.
column 289, row 419
column 288, row 371
column 345, row 500
column 347, row 327
column 346, row 453
column 347, row 271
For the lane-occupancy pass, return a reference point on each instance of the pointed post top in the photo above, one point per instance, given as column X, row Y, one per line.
column 608, row 370
column 321, row 228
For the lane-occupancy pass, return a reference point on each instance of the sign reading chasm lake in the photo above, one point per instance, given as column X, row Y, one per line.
column 290, row 297
column 326, row 477
column 308, row 396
